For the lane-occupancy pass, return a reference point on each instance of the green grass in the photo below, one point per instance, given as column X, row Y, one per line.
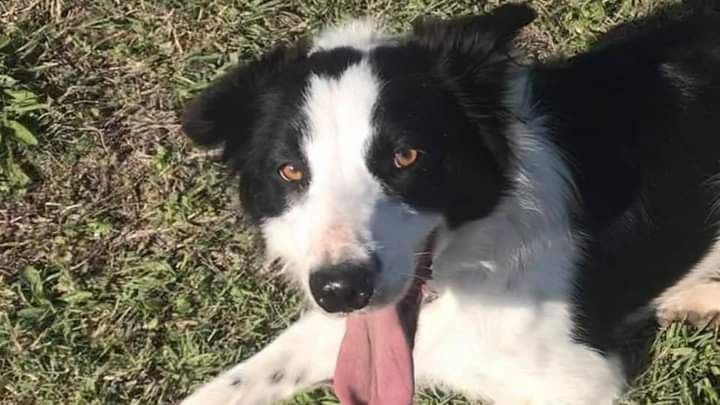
column 126, row 274
column 18, row 106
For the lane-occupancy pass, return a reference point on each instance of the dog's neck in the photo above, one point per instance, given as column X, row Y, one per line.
column 531, row 223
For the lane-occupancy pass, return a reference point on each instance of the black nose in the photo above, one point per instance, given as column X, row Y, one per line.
column 343, row 287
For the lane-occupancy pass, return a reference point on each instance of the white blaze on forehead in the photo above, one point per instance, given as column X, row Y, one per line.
column 362, row 34
column 339, row 113
column 329, row 223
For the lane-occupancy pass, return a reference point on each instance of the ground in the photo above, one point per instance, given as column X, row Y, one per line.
column 126, row 273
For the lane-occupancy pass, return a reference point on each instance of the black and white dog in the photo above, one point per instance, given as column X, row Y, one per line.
column 557, row 203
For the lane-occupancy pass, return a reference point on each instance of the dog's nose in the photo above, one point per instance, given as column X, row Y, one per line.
column 343, row 287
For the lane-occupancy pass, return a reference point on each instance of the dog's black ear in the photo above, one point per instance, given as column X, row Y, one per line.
column 474, row 35
column 228, row 110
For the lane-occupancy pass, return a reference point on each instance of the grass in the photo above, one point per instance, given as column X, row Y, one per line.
column 17, row 107
column 126, row 274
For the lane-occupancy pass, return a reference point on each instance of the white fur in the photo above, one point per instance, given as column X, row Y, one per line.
column 362, row 34
column 501, row 327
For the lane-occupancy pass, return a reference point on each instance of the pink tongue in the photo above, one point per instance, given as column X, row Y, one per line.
column 375, row 364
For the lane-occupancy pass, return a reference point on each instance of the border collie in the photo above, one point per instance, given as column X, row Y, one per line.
column 464, row 220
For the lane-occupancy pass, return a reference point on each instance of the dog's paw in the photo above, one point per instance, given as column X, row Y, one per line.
column 698, row 305
column 699, row 320
column 301, row 357
column 247, row 385
column 216, row 392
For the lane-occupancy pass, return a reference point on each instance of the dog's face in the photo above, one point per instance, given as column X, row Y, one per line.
column 353, row 149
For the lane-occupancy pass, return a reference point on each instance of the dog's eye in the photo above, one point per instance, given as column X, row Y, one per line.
column 405, row 157
column 290, row 173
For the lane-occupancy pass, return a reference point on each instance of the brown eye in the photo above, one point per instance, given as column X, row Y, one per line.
column 290, row 173
column 405, row 158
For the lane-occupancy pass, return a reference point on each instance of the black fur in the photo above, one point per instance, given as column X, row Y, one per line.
column 443, row 93
column 638, row 122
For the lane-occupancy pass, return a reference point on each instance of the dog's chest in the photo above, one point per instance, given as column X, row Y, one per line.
column 494, row 326
column 486, row 338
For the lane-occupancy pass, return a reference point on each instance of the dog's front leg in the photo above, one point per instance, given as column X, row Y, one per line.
column 302, row 356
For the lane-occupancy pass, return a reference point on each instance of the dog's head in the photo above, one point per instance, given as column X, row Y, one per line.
column 354, row 147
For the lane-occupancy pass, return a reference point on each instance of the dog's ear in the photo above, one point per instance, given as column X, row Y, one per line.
column 474, row 35
column 229, row 109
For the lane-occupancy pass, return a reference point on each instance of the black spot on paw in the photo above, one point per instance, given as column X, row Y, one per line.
column 277, row 376
column 236, row 381
column 300, row 379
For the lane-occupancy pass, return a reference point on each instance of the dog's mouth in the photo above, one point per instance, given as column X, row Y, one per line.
column 375, row 363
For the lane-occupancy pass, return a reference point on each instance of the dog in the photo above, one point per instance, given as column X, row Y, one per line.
column 465, row 220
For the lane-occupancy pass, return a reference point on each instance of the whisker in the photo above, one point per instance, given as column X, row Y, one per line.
column 423, row 254
column 412, row 276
